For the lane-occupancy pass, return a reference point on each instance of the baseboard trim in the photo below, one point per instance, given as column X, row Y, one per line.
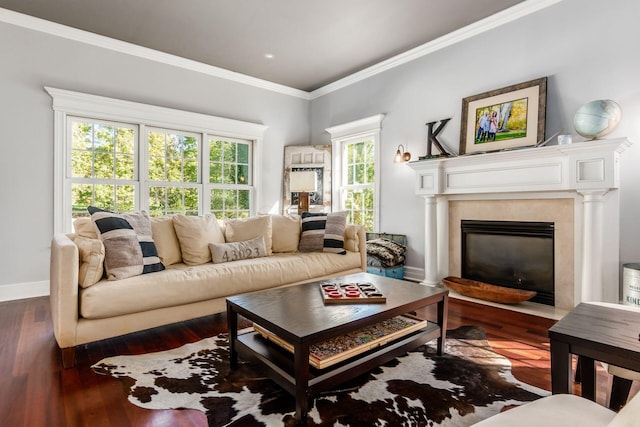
column 413, row 273
column 24, row 290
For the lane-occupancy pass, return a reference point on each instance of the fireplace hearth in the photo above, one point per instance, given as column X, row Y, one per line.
column 514, row 254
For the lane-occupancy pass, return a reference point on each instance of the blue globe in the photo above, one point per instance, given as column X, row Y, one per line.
column 597, row 118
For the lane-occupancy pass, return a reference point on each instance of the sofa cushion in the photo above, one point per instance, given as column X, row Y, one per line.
column 182, row 284
column 164, row 235
column 226, row 252
column 194, row 234
column 323, row 232
column 351, row 238
column 91, row 254
column 238, row 230
column 285, row 233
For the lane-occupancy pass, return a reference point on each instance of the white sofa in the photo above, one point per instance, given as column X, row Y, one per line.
column 85, row 312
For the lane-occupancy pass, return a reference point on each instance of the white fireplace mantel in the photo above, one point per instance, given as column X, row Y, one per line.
column 588, row 169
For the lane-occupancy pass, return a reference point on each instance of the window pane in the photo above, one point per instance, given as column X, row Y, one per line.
column 217, row 202
column 229, row 151
column 173, row 157
column 243, row 153
column 124, row 166
column 81, row 198
column 81, row 164
column 104, row 197
column 215, row 173
column 243, row 174
column 191, row 201
column 81, row 136
column 103, row 165
column 359, row 171
column 229, row 176
column 125, row 140
column 190, row 147
column 156, row 169
column 243, row 199
column 125, row 198
column 103, row 139
column 215, row 150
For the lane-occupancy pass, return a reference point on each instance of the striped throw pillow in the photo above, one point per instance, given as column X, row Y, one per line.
column 323, row 232
column 129, row 246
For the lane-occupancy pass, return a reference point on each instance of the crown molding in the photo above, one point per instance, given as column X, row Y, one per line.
column 55, row 29
column 508, row 15
column 513, row 13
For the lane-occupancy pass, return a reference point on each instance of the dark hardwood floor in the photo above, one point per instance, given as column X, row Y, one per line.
column 36, row 391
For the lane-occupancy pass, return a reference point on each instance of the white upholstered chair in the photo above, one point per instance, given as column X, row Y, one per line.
column 564, row 410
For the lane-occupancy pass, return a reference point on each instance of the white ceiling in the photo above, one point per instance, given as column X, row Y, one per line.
column 313, row 42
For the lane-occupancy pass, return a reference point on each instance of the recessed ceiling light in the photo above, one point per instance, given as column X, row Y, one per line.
column 269, row 55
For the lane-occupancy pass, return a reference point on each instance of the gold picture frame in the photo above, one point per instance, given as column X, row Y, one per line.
column 508, row 118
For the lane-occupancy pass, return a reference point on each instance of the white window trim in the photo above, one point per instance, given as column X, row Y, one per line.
column 369, row 127
column 69, row 103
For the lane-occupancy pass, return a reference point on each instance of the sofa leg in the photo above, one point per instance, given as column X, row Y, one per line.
column 68, row 357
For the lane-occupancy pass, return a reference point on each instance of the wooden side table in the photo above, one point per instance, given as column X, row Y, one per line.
column 593, row 332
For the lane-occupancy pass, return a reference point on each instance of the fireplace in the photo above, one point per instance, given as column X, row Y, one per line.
column 575, row 186
column 514, row 254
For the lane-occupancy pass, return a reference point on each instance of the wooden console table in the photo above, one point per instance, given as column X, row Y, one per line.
column 593, row 332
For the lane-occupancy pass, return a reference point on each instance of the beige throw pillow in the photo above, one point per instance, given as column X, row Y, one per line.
column 226, row 252
column 285, row 233
column 85, row 227
column 91, row 253
column 238, row 230
column 194, row 234
column 164, row 235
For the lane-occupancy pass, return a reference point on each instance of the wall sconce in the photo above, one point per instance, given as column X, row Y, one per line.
column 401, row 155
column 303, row 183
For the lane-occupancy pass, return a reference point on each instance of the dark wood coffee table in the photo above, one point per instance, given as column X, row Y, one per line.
column 298, row 315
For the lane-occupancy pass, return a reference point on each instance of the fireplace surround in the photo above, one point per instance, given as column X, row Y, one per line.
column 576, row 184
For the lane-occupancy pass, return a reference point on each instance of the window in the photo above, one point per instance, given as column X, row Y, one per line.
column 123, row 156
column 356, row 168
column 230, row 178
column 103, row 171
column 359, row 181
column 173, row 172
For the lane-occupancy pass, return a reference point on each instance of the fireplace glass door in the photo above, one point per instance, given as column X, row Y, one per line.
column 510, row 253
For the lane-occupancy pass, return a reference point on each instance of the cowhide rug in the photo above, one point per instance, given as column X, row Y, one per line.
column 467, row 384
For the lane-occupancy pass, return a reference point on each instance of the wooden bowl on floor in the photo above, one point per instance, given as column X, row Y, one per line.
column 486, row 291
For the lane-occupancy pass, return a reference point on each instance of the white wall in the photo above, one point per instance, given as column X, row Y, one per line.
column 587, row 48
column 31, row 60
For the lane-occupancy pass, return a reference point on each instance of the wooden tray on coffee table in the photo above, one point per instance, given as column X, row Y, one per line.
column 335, row 350
column 350, row 293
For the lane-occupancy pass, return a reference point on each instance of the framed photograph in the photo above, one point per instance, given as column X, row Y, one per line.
column 503, row 119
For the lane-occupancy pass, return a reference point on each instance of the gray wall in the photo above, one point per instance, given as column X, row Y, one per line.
column 31, row 60
column 587, row 48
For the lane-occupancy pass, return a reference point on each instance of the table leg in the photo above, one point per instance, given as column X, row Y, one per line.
column 301, row 372
column 588, row 377
column 232, row 325
column 560, row 367
column 443, row 313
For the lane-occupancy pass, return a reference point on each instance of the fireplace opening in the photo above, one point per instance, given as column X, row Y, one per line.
column 514, row 254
